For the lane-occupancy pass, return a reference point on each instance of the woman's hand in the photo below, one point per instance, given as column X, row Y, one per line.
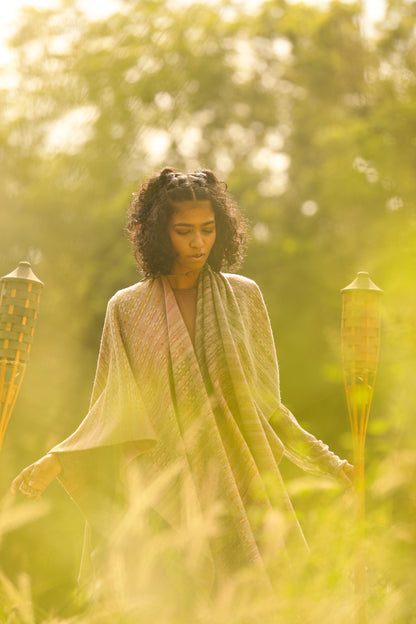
column 346, row 475
column 34, row 479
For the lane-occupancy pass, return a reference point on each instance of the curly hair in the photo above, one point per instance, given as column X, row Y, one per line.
column 151, row 209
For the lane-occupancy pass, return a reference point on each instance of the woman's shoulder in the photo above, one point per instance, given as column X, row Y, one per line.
column 246, row 291
column 249, row 298
column 241, row 283
column 135, row 293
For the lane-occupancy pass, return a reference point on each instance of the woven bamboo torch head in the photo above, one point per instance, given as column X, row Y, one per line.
column 19, row 303
column 360, row 333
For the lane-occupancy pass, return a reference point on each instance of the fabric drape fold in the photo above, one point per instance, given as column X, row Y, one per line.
column 211, row 408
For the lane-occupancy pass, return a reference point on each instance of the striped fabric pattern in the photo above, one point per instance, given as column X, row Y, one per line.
column 210, row 412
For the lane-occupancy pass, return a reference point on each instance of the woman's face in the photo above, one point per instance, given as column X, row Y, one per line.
column 192, row 233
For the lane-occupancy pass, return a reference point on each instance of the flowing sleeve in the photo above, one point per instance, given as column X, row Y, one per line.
column 90, row 457
column 300, row 447
column 117, row 413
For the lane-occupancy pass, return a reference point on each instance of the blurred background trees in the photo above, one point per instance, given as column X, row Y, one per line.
column 311, row 122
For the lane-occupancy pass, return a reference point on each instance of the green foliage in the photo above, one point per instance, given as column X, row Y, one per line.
column 312, row 123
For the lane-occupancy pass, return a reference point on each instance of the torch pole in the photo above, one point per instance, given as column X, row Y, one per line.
column 360, row 333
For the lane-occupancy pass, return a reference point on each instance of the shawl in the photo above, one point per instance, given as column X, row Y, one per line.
column 212, row 410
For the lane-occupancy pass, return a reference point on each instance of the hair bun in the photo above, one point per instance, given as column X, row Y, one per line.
column 209, row 176
column 167, row 174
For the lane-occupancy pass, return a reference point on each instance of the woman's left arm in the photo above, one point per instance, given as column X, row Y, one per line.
column 301, row 447
column 306, row 451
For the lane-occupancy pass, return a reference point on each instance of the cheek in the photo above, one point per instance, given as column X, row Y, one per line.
column 177, row 243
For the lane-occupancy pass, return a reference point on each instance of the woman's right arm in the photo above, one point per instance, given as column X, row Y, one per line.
column 34, row 479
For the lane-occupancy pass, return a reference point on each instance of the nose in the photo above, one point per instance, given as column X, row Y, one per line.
column 197, row 241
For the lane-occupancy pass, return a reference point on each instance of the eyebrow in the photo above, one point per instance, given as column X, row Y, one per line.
column 212, row 222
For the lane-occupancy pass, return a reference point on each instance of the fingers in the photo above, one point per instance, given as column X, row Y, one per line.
column 346, row 475
column 16, row 483
column 34, row 479
column 349, row 472
column 346, row 481
column 29, row 491
column 25, row 485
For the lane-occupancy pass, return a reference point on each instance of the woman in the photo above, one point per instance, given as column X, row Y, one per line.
column 187, row 381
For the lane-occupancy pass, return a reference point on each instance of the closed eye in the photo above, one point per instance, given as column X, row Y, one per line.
column 185, row 232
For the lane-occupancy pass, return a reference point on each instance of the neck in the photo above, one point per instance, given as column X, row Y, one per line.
column 184, row 281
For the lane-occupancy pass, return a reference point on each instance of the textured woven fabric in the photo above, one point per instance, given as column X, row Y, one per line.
column 209, row 411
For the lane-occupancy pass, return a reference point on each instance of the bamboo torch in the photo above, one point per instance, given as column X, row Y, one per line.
column 19, row 302
column 360, row 333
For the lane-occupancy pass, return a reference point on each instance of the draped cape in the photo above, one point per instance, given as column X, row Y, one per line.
column 212, row 409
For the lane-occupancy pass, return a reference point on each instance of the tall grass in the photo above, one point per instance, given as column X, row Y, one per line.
column 144, row 575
